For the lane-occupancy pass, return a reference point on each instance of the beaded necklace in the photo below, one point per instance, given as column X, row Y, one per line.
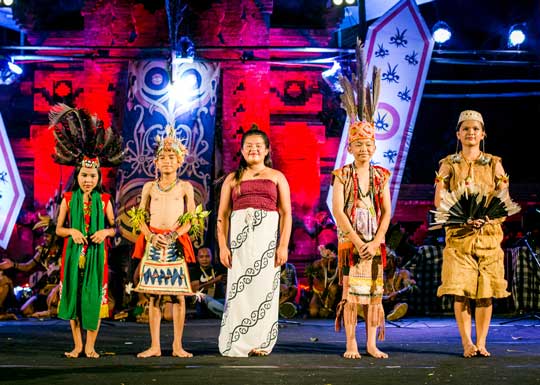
column 168, row 188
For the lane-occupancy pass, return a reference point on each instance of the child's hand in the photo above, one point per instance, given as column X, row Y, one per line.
column 78, row 237
column 99, row 236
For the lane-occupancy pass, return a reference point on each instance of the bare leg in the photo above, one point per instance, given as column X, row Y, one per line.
column 462, row 311
column 314, row 306
column 482, row 319
column 77, row 339
column 371, row 331
column 179, row 317
column 350, row 320
column 154, row 321
column 89, row 348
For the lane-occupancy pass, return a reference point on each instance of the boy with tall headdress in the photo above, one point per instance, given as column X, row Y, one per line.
column 85, row 220
column 362, row 208
column 164, row 246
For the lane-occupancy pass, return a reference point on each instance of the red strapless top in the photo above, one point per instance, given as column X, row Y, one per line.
column 257, row 193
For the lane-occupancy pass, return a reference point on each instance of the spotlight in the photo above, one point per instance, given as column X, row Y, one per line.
column 441, row 32
column 6, row 3
column 9, row 71
column 345, row 3
column 517, row 34
column 331, row 77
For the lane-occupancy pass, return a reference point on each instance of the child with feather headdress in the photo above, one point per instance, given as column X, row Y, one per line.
column 362, row 207
column 85, row 220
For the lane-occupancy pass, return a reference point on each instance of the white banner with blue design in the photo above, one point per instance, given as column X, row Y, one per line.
column 400, row 44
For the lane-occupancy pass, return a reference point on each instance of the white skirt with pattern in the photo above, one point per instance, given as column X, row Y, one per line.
column 250, row 319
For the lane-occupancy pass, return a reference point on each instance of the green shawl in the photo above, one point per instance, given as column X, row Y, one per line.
column 90, row 295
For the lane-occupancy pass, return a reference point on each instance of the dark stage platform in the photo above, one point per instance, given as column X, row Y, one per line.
column 422, row 351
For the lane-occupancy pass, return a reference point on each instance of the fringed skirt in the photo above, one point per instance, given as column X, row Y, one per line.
column 250, row 318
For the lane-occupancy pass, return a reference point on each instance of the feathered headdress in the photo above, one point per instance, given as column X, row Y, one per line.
column 360, row 99
column 82, row 139
column 170, row 141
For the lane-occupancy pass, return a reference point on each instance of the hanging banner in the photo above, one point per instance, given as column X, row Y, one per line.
column 189, row 103
column 11, row 189
column 400, row 44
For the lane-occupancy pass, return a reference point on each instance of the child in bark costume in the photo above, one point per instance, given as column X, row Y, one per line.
column 164, row 245
column 473, row 260
column 85, row 220
column 361, row 205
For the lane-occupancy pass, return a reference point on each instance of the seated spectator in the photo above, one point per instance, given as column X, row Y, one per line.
column 288, row 291
column 44, row 279
column 209, row 280
column 7, row 298
column 323, row 282
column 398, row 286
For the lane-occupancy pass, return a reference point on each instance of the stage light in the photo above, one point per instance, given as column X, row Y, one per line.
column 9, row 71
column 7, row 3
column 344, row 3
column 331, row 77
column 517, row 34
column 441, row 32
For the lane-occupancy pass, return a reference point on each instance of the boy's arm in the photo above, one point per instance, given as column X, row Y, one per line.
column 190, row 208
column 145, row 200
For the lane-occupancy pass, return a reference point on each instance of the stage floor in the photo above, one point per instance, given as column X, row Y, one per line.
column 422, row 351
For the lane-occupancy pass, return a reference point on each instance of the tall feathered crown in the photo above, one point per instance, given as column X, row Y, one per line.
column 360, row 99
column 170, row 141
column 82, row 139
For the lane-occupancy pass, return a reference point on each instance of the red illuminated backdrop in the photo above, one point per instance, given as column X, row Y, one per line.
column 283, row 99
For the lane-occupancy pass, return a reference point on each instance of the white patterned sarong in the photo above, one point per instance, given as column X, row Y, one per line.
column 250, row 320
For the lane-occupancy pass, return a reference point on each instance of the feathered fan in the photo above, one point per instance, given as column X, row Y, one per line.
column 79, row 134
column 470, row 202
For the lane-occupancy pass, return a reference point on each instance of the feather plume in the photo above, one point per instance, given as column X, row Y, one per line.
column 376, row 89
column 78, row 134
column 347, row 98
column 360, row 73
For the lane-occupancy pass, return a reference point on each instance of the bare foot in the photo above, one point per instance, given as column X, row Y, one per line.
column 482, row 352
column 376, row 353
column 351, row 354
column 258, row 353
column 73, row 354
column 92, row 354
column 181, row 353
column 352, row 350
column 470, row 351
column 152, row 352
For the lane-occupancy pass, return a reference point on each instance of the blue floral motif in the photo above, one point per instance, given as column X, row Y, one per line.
column 391, row 75
column 390, row 155
column 3, row 176
column 381, row 51
column 412, row 58
column 380, row 122
column 399, row 39
column 405, row 95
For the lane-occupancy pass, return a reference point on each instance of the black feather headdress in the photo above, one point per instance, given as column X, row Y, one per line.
column 79, row 135
column 470, row 202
